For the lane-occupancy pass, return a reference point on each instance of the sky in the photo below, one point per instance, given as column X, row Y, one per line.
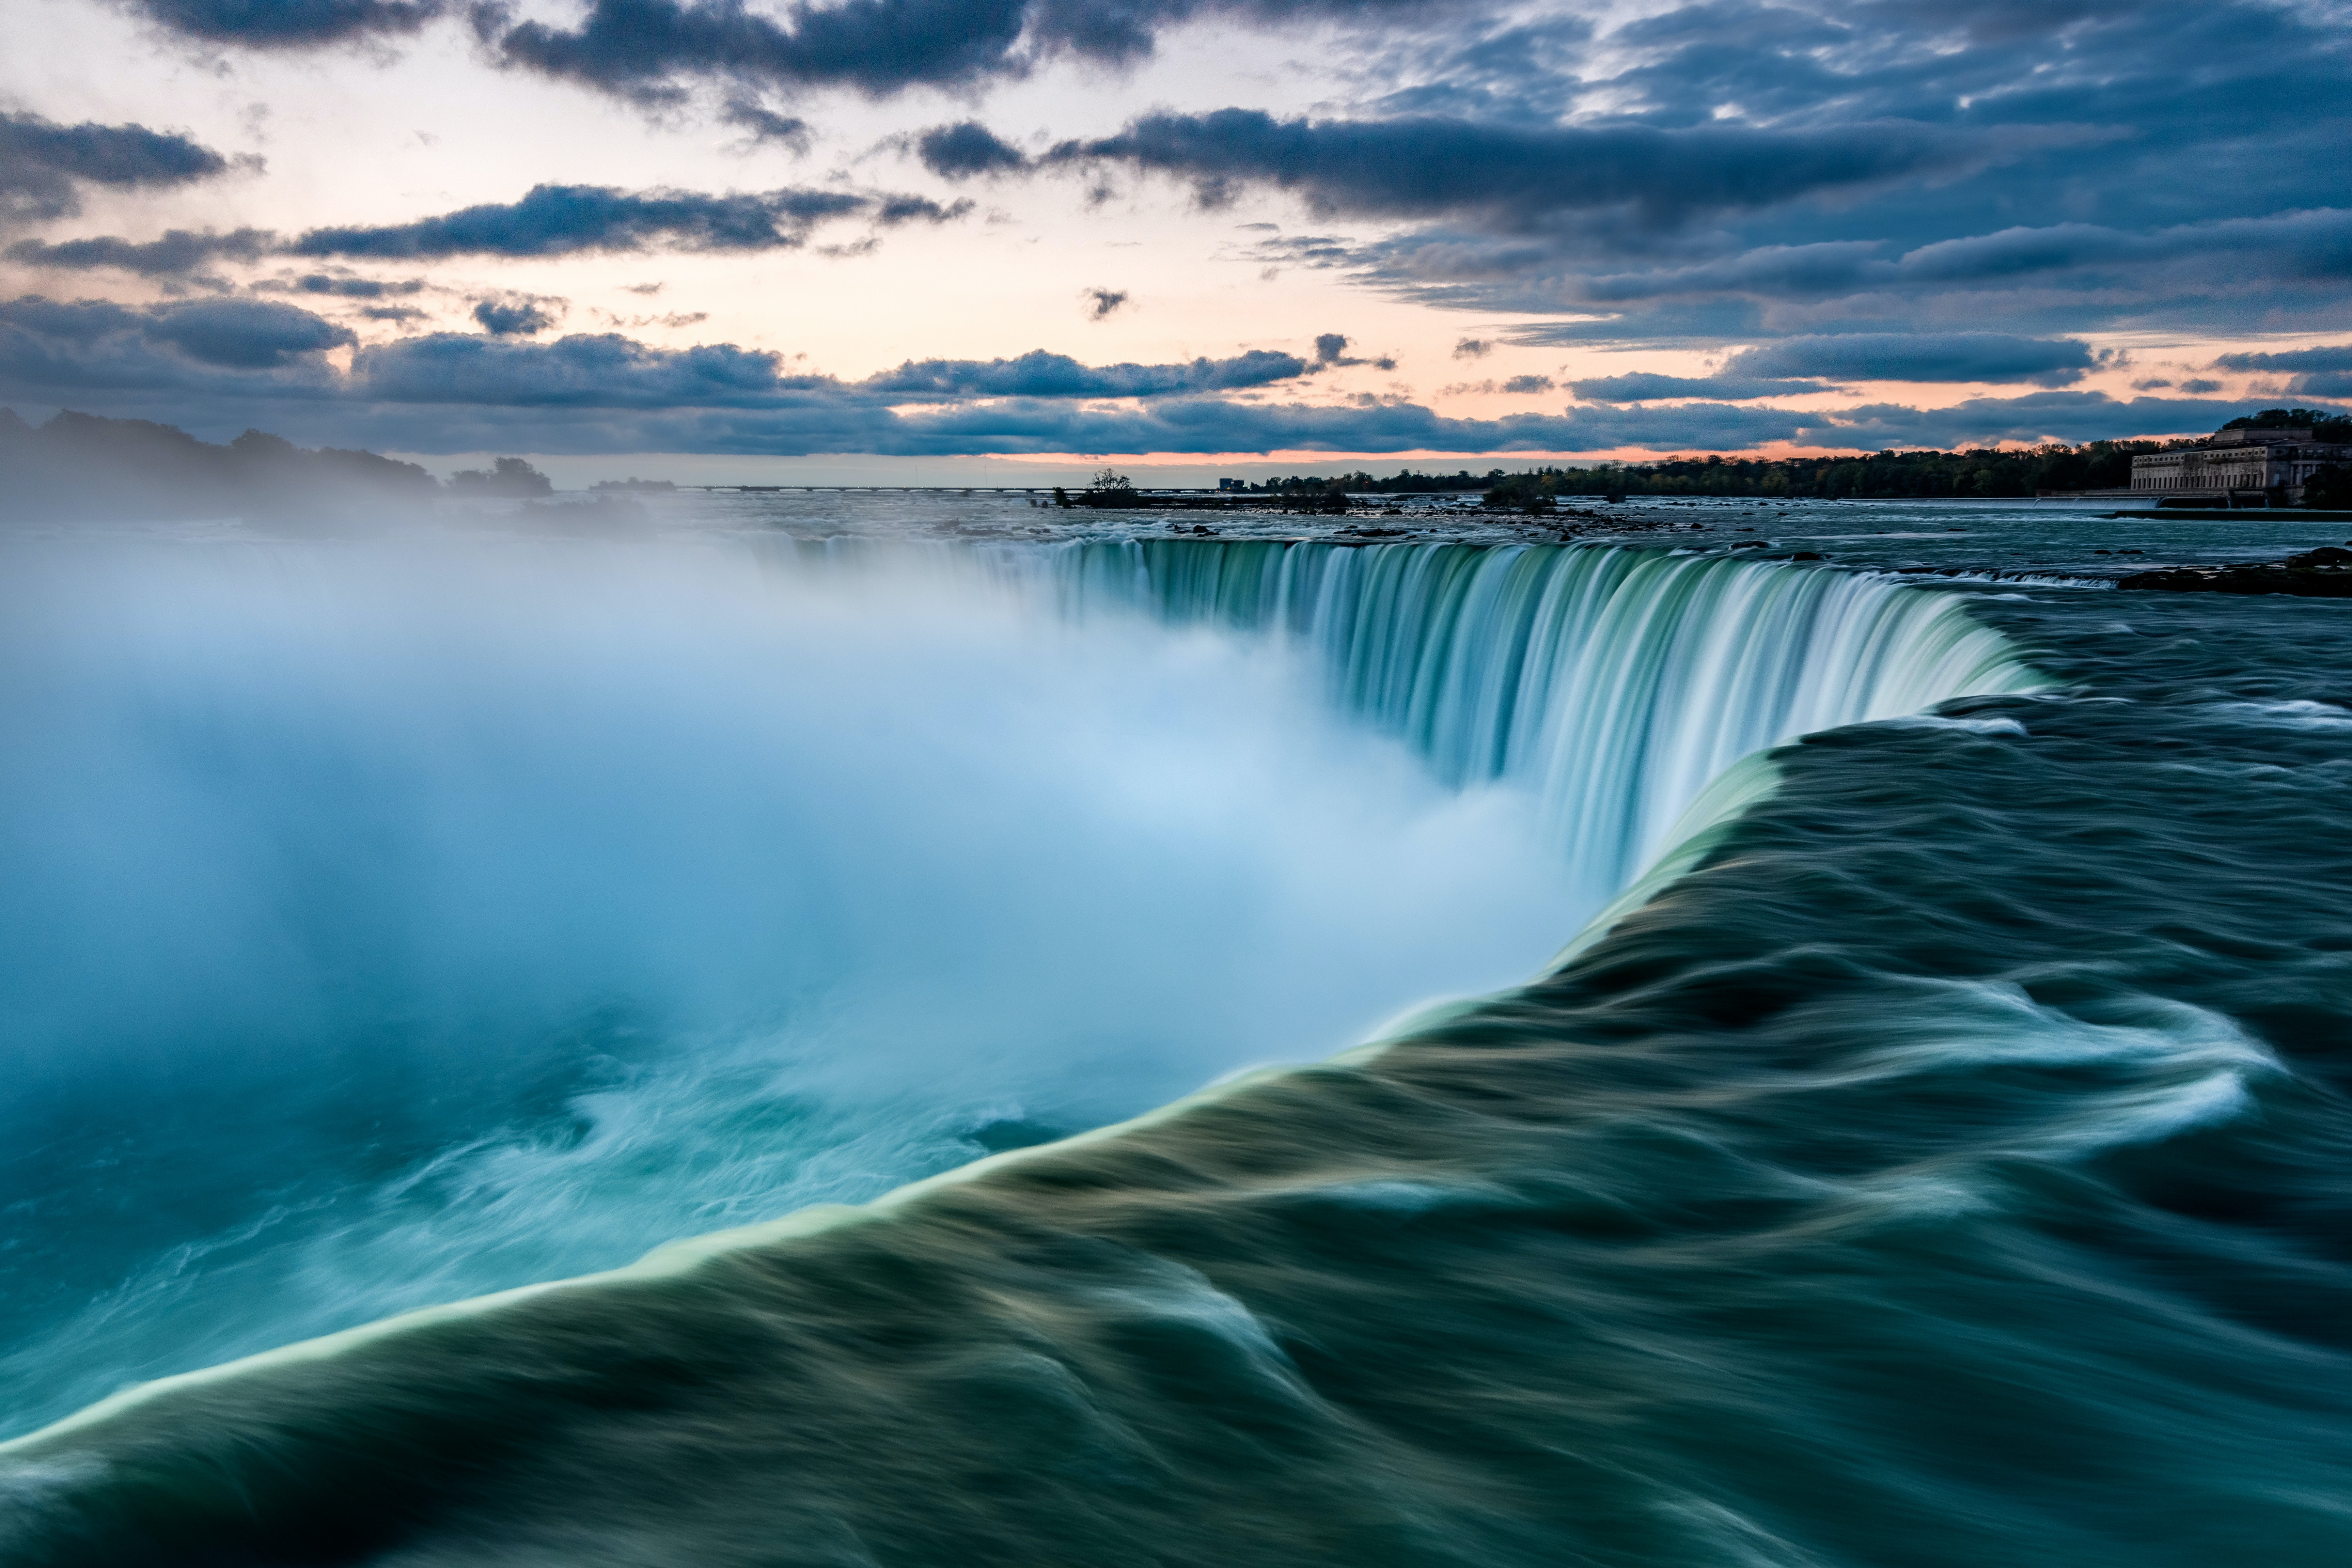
column 849, row 240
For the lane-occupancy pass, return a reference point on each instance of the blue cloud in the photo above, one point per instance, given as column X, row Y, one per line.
column 2219, row 207
column 2069, row 277
column 245, row 334
column 636, row 46
column 960, row 151
column 1041, row 375
column 2322, row 372
column 513, row 318
column 180, row 350
column 2325, row 356
column 347, row 287
column 892, row 211
column 550, row 220
column 1918, row 356
column 284, row 23
column 226, row 363
column 1644, row 387
column 42, row 163
column 1518, row 175
column 643, row 49
column 765, row 124
column 178, row 251
column 560, row 220
column 582, row 371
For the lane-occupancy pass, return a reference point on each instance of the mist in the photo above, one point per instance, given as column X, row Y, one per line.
column 387, row 921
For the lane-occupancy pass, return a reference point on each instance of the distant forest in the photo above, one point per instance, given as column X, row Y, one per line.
column 81, row 466
column 1984, row 473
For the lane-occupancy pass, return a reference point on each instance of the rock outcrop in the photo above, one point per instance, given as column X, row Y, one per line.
column 2321, row 573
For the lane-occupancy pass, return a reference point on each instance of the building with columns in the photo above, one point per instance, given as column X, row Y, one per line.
column 2238, row 466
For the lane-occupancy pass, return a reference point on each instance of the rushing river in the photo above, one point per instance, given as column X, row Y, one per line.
column 1930, row 1148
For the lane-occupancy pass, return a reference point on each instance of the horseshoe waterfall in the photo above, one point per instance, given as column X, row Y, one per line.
column 725, row 1050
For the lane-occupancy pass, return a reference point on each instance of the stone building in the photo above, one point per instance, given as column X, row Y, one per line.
column 2237, row 466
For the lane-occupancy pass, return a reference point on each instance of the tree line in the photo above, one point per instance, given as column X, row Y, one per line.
column 82, row 466
column 1982, row 473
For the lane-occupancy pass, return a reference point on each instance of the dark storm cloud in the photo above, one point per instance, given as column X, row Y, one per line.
column 178, row 251
column 960, row 151
column 42, row 163
column 1513, row 175
column 1041, row 375
column 1920, row 357
column 290, row 24
column 233, row 363
column 559, row 220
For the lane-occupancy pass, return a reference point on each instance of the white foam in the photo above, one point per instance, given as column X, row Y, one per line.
column 2294, row 715
column 1973, row 726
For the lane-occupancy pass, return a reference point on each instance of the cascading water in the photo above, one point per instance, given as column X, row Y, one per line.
column 826, row 1021
column 1615, row 684
column 388, row 922
column 335, row 788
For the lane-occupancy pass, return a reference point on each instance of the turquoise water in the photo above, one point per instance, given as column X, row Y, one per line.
column 1946, row 1167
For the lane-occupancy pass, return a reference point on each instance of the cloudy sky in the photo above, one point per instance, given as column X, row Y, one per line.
column 1232, row 235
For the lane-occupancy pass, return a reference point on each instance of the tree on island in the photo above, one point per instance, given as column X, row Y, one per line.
column 506, row 478
column 1109, row 488
column 1533, row 494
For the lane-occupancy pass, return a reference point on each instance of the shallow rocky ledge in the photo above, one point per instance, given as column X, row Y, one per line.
column 2321, row 573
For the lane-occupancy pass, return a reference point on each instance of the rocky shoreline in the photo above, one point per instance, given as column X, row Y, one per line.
column 2321, row 573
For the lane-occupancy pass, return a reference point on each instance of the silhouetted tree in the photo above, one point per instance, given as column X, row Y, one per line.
column 506, row 477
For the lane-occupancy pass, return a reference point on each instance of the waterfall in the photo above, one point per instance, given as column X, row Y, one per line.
column 1616, row 684
column 645, row 865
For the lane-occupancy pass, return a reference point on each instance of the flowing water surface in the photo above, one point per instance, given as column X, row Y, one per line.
column 1937, row 1153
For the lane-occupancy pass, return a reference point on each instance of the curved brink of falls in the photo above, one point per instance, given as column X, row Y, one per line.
column 1618, row 684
